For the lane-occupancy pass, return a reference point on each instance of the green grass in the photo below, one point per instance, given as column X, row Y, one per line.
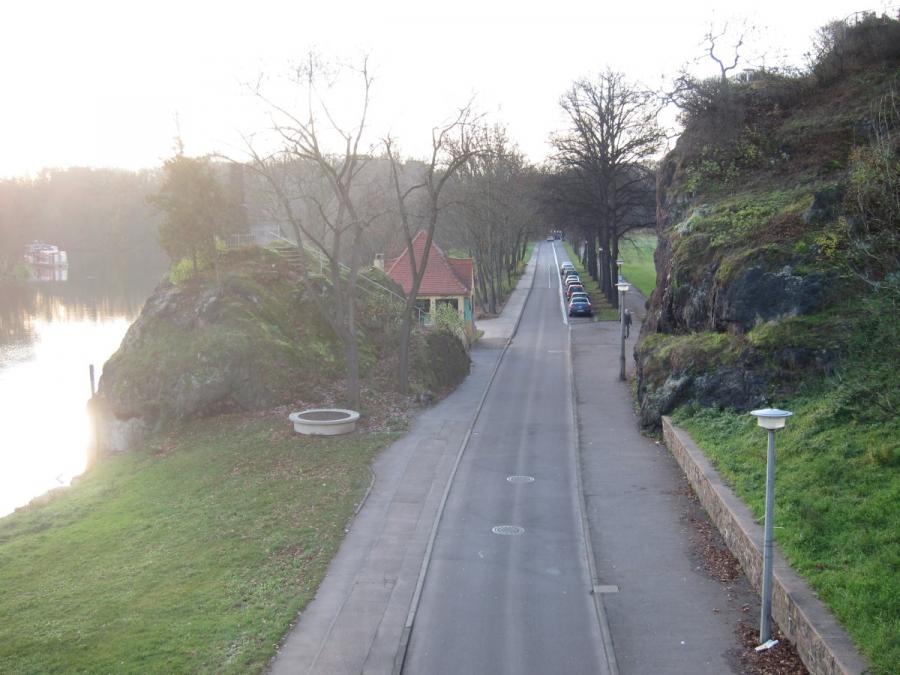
column 638, row 266
column 192, row 556
column 602, row 309
column 837, row 516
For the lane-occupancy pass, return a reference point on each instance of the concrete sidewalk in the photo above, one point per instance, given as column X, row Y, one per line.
column 667, row 614
column 355, row 622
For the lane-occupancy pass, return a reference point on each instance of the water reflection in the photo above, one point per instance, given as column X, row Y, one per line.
column 50, row 331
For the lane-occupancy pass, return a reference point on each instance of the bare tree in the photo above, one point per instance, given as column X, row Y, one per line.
column 712, row 40
column 451, row 148
column 612, row 136
column 497, row 212
column 313, row 178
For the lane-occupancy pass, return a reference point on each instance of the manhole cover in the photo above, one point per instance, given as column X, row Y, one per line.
column 520, row 479
column 508, row 529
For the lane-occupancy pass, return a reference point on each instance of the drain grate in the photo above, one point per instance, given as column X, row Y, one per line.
column 508, row 529
column 520, row 479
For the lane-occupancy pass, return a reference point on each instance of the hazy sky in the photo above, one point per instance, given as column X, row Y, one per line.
column 97, row 83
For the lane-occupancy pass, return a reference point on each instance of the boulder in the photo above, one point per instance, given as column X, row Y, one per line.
column 756, row 295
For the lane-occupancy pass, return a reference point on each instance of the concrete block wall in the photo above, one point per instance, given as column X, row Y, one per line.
column 822, row 643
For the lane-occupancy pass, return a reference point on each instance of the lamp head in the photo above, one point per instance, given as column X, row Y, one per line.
column 622, row 286
column 771, row 418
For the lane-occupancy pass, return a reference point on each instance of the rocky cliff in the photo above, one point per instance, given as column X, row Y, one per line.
column 776, row 230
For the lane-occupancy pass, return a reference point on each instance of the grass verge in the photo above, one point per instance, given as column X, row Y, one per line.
column 194, row 555
column 837, row 521
column 638, row 266
column 602, row 309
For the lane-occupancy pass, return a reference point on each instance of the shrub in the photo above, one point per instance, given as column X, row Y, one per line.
column 873, row 199
column 841, row 46
column 447, row 319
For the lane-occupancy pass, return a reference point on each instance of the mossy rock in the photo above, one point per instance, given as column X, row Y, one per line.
column 249, row 341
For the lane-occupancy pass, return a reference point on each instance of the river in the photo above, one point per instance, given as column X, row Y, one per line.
column 51, row 331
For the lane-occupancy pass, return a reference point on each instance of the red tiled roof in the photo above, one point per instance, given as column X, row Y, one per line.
column 464, row 269
column 443, row 276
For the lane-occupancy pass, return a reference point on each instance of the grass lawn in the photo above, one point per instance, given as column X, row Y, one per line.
column 194, row 555
column 602, row 309
column 638, row 267
column 837, row 506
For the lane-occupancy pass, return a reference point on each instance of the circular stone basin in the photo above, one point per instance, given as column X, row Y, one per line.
column 324, row 421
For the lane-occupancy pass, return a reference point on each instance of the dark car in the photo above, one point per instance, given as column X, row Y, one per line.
column 580, row 307
column 580, row 295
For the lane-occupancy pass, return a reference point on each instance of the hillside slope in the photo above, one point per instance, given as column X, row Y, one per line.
column 779, row 284
column 250, row 340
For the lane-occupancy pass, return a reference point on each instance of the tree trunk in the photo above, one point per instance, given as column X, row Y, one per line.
column 615, row 256
column 405, row 339
column 605, row 281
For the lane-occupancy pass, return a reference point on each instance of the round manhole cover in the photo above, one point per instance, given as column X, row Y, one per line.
column 520, row 479
column 508, row 529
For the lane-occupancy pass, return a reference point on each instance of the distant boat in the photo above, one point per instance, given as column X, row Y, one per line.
column 45, row 255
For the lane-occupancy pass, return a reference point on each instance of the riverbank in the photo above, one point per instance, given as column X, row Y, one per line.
column 193, row 554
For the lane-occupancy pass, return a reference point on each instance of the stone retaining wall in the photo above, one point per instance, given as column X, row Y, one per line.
column 823, row 645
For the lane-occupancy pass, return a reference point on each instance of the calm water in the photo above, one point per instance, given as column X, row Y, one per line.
column 50, row 332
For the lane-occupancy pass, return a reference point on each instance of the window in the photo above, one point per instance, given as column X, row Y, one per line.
column 453, row 302
column 423, row 305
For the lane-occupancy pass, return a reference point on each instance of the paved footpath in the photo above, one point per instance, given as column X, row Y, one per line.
column 355, row 623
column 666, row 615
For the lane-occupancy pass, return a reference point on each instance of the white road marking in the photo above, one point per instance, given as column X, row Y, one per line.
column 562, row 306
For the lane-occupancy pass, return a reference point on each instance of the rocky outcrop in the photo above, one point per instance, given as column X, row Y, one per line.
column 248, row 338
column 755, row 296
column 248, row 342
column 744, row 244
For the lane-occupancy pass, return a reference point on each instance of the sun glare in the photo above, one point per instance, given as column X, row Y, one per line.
column 46, row 440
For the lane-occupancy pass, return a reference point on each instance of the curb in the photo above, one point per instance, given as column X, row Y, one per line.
column 823, row 645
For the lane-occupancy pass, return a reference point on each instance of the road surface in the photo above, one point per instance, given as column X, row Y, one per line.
column 508, row 587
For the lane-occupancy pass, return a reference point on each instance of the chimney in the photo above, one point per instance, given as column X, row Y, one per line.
column 379, row 261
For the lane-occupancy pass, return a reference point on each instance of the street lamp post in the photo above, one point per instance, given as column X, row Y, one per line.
column 620, row 280
column 623, row 288
column 769, row 419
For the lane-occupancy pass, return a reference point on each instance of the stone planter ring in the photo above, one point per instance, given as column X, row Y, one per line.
column 324, row 421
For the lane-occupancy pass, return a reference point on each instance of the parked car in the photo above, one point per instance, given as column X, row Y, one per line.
column 565, row 268
column 574, row 279
column 574, row 288
column 579, row 295
column 580, row 307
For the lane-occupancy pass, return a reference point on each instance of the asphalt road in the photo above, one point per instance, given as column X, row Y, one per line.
column 516, row 602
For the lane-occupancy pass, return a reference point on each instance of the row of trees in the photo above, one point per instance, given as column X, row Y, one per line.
column 334, row 188
column 496, row 211
column 604, row 185
column 344, row 193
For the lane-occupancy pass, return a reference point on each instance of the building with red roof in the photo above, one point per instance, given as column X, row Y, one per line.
column 446, row 281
